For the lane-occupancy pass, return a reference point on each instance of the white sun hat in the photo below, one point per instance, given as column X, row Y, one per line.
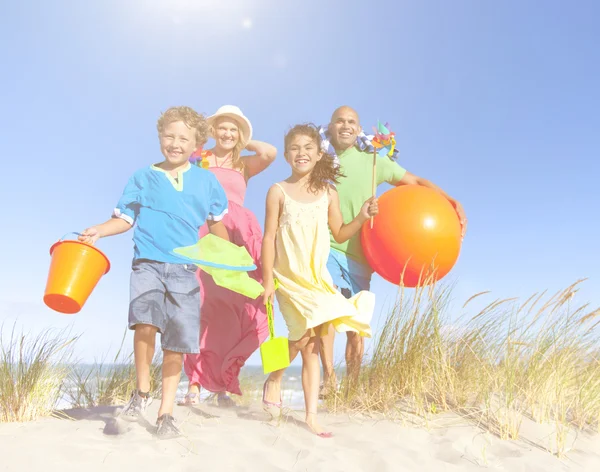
column 236, row 114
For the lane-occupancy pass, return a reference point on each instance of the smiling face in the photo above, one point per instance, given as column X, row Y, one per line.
column 344, row 128
column 226, row 133
column 302, row 153
column 177, row 142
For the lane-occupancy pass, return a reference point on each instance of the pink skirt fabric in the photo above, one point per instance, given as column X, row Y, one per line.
column 232, row 326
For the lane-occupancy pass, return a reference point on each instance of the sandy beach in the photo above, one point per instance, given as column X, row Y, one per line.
column 247, row 439
column 141, row 127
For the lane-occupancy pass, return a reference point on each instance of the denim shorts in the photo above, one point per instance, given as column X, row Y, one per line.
column 167, row 296
column 348, row 275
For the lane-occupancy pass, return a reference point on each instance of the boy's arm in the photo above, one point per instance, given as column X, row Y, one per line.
column 268, row 245
column 343, row 232
column 108, row 228
column 218, row 229
column 265, row 155
column 124, row 215
column 412, row 179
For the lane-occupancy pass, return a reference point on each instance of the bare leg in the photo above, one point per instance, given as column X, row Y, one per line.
column 310, row 383
column 272, row 389
column 143, row 352
column 355, row 346
column 171, row 373
column 326, row 351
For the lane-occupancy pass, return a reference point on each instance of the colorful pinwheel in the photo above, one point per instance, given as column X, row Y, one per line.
column 384, row 140
column 384, row 143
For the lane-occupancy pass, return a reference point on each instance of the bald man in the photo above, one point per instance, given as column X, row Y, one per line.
column 347, row 264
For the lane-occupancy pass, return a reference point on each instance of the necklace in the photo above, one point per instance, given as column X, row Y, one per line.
column 225, row 159
column 205, row 163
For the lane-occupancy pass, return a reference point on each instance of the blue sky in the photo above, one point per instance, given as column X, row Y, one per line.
column 496, row 102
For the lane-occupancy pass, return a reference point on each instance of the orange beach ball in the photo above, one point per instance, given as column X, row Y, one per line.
column 415, row 237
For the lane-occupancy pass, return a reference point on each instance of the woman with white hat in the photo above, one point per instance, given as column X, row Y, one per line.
column 232, row 326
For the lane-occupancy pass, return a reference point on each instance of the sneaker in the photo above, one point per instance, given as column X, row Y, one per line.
column 165, row 427
column 135, row 407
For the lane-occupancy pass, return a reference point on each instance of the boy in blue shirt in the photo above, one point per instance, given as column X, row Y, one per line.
column 168, row 203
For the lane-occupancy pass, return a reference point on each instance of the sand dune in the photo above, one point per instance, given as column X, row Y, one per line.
column 247, row 439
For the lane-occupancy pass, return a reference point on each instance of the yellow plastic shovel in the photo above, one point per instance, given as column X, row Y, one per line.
column 274, row 352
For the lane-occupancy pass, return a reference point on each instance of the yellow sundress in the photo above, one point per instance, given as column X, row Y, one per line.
column 307, row 296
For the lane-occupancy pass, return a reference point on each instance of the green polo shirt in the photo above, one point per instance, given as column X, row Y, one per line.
column 356, row 188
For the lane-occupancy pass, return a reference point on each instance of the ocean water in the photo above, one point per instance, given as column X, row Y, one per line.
column 292, row 393
column 251, row 375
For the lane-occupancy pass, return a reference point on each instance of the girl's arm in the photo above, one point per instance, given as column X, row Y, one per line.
column 218, row 229
column 273, row 205
column 343, row 232
column 263, row 157
column 108, row 228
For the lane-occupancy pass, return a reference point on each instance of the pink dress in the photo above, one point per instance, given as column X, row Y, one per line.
column 232, row 326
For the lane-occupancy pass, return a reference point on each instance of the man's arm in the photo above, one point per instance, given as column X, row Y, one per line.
column 412, row 179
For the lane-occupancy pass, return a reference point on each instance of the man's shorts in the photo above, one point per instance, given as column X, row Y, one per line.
column 348, row 275
column 167, row 296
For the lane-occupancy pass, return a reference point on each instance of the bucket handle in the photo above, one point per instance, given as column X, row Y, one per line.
column 72, row 232
column 79, row 234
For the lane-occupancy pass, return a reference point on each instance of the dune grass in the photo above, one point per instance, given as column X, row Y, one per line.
column 37, row 371
column 33, row 370
column 106, row 384
column 539, row 360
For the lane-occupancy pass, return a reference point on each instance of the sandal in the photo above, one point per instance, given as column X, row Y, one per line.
column 267, row 405
column 190, row 399
column 225, row 401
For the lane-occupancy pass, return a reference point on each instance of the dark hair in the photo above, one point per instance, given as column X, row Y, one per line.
column 325, row 172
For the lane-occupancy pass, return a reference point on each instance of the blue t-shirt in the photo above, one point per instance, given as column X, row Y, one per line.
column 167, row 211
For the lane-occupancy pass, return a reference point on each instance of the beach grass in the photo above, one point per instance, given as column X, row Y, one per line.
column 495, row 366
column 539, row 359
column 33, row 370
column 106, row 384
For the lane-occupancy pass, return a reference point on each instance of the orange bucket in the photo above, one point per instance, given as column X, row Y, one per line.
column 75, row 270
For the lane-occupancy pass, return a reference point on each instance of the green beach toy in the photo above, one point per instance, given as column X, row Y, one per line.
column 227, row 263
column 274, row 352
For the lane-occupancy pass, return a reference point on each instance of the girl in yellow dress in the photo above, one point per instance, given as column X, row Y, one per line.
column 300, row 212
